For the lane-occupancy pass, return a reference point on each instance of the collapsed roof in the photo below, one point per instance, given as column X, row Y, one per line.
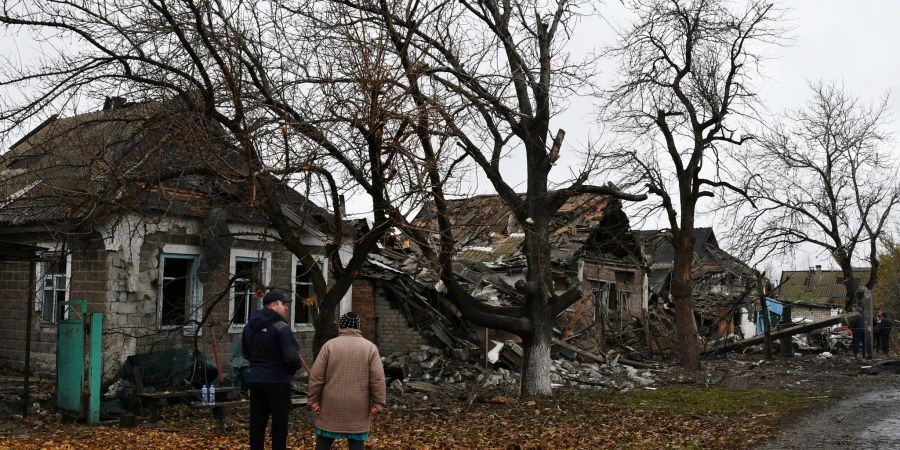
column 711, row 268
column 486, row 232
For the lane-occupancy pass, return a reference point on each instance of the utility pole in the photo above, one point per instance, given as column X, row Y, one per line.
column 868, row 314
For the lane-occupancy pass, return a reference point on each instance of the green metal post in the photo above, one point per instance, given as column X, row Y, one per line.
column 70, row 357
column 95, row 369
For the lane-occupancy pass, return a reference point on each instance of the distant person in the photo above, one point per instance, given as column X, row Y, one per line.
column 859, row 333
column 274, row 356
column 876, row 325
column 884, row 334
column 346, row 387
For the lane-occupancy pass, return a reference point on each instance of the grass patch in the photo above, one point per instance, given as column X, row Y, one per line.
column 691, row 401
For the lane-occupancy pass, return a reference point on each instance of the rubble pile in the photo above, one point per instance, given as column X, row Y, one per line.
column 436, row 367
column 590, row 375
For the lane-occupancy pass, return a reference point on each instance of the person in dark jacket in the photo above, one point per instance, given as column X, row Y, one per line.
column 274, row 356
column 884, row 334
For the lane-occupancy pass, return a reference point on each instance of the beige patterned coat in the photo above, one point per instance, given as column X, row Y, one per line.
column 347, row 379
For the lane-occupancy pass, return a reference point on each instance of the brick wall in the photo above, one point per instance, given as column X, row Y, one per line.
column 364, row 306
column 394, row 334
column 13, row 304
column 806, row 312
column 87, row 281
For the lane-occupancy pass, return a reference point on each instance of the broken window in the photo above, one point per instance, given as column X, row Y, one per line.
column 179, row 291
column 53, row 286
column 304, row 295
column 249, row 276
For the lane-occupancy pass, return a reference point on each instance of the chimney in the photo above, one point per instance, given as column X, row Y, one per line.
column 342, row 208
column 818, row 268
column 113, row 103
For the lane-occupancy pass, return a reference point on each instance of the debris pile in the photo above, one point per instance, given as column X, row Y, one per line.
column 429, row 369
column 590, row 375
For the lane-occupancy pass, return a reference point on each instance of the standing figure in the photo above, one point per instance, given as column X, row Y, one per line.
column 274, row 356
column 876, row 325
column 884, row 334
column 858, row 328
column 346, row 387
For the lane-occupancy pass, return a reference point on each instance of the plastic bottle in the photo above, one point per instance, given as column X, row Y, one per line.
column 212, row 394
column 204, row 394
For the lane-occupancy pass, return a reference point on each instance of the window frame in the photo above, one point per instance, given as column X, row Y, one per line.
column 40, row 285
column 323, row 262
column 265, row 258
column 191, row 315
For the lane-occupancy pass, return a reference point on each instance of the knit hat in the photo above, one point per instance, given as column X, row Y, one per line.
column 272, row 296
column 349, row 320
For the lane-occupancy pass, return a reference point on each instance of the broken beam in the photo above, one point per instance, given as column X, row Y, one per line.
column 601, row 359
column 784, row 333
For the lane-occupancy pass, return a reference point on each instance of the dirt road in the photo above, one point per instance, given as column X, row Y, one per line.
column 864, row 420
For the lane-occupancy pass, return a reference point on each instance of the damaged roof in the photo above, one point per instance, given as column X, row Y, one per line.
column 711, row 267
column 152, row 157
column 658, row 245
column 586, row 225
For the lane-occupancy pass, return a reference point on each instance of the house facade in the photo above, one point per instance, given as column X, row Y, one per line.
column 170, row 264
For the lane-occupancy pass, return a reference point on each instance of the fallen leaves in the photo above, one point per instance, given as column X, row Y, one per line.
column 666, row 418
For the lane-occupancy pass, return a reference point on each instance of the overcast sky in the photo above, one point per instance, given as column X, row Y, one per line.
column 850, row 41
column 853, row 42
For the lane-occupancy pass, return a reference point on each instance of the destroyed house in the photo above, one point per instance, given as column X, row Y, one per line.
column 721, row 299
column 590, row 241
column 131, row 218
column 817, row 293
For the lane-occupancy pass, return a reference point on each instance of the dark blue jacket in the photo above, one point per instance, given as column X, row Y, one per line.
column 269, row 345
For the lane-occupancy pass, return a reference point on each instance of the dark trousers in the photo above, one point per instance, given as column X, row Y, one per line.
column 269, row 399
column 859, row 343
column 324, row 443
column 884, row 343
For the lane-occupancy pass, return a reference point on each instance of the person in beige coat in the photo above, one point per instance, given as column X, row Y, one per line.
column 346, row 387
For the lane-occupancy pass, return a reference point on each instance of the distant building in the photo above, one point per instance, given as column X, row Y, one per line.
column 819, row 287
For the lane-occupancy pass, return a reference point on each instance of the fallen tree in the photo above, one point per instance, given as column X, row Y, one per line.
column 784, row 333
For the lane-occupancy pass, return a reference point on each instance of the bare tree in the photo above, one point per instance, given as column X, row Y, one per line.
column 494, row 74
column 303, row 94
column 821, row 177
column 686, row 67
column 887, row 291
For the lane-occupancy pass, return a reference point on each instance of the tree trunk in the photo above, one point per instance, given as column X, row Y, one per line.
column 850, row 284
column 688, row 351
column 326, row 329
column 536, row 361
column 787, row 342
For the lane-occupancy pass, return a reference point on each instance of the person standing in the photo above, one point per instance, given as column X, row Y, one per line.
column 346, row 387
column 858, row 329
column 884, row 334
column 274, row 356
column 876, row 324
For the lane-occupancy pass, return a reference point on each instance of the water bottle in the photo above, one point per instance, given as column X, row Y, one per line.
column 212, row 394
column 204, row 395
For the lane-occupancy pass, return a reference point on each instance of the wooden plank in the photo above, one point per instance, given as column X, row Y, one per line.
column 601, row 358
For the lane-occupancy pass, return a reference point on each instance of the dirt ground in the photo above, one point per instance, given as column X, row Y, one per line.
column 860, row 405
